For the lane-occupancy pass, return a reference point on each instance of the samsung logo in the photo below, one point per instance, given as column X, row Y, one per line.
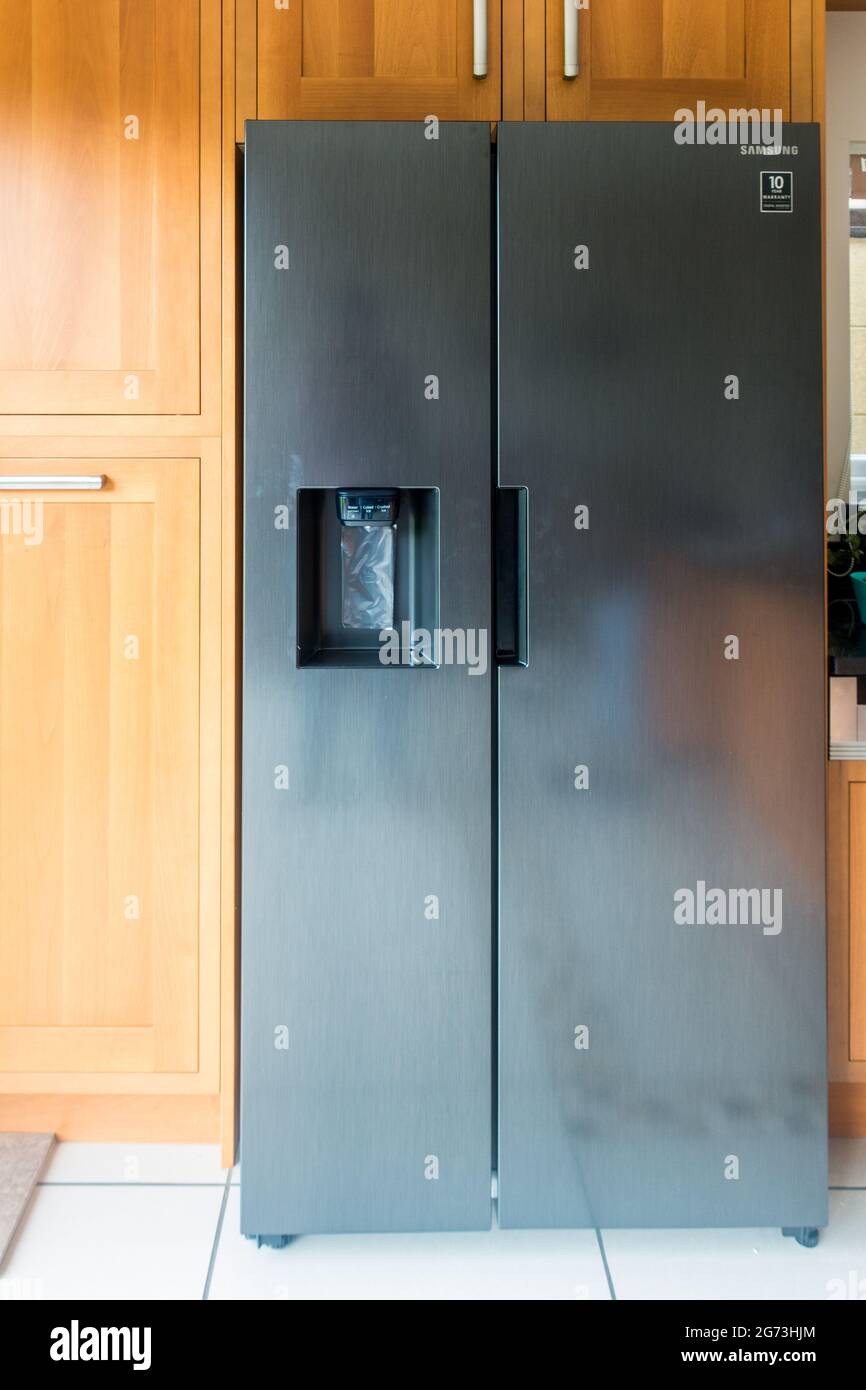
column 769, row 149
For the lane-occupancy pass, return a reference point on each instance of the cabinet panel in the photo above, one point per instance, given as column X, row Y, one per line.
column 643, row 59
column 846, row 940
column 100, row 240
column 99, row 725
column 668, row 38
column 375, row 60
column 857, row 920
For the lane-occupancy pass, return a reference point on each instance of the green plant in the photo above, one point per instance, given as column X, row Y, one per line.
column 844, row 555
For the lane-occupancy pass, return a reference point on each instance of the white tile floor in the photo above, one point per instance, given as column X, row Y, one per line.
column 161, row 1221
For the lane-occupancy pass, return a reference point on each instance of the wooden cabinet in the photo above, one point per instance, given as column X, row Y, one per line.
column 117, row 636
column 101, row 729
column 857, row 921
column 641, row 60
column 369, row 60
column 637, row 59
column 846, row 945
column 110, row 119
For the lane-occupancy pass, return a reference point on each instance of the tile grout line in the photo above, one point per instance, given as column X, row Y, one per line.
column 216, row 1239
column 607, row 1274
column 95, row 1182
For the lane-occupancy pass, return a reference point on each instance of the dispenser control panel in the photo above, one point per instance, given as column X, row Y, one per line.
column 368, row 506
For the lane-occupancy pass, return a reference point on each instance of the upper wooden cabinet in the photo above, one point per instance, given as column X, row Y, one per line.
column 104, row 141
column 641, row 60
column 637, row 59
column 371, row 60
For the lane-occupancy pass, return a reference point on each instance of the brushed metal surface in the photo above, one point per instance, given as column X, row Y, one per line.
column 706, row 1043
column 388, row 1062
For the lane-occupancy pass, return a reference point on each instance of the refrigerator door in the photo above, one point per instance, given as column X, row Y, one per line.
column 661, row 756
column 366, row 994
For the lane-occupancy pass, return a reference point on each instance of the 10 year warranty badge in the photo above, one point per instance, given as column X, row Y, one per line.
column 777, row 190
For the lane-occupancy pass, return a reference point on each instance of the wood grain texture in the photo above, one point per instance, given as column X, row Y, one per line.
column 104, row 976
column 819, row 61
column 857, row 921
column 338, row 39
column 848, row 1110
column 534, row 59
column 239, row 81
column 801, row 60
column 95, row 453
column 115, row 242
column 838, row 931
column 114, row 1118
column 512, row 60
column 99, row 746
column 375, row 60
column 644, row 59
column 235, row 100
column 846, row 868
column 700, row 41
column 101, row 233
column 86, row 1058
column 669, row 39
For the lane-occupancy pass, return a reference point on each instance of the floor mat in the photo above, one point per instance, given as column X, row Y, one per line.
column 22, row 1158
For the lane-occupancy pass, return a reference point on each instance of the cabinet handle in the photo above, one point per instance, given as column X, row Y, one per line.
column 571, row 64
column 54, row 482
column 479, row 38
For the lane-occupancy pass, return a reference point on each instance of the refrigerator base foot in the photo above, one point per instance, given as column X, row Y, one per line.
column 272, row 1242
column 803, row 1235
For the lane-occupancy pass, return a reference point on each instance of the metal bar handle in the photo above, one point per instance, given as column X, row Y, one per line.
column 54, row 482
column 479, row 38
column 571, row 63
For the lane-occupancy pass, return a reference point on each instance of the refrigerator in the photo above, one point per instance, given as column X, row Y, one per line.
column 533, row 680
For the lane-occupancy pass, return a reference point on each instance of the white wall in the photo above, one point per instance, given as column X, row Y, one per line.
column 846, row 121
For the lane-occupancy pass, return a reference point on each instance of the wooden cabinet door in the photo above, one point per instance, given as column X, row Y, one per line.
column 846, row 942
column 641, row 60
column 375, row 60
column 99, row 237
column 99, row 768
column 857, row 920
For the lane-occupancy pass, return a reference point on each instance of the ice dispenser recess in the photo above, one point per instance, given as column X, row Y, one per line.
column 368, row 518
column 368, row 560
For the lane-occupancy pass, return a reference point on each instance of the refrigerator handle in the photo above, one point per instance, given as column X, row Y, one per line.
column 510, row 527
column 571, row 63
column 479, row 38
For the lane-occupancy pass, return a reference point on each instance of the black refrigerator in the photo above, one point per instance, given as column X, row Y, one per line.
column 533, row 729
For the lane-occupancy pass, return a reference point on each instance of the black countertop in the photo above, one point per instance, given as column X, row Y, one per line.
column 846, row 656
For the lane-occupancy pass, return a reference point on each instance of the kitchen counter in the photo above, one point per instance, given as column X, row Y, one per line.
column 846, row 656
